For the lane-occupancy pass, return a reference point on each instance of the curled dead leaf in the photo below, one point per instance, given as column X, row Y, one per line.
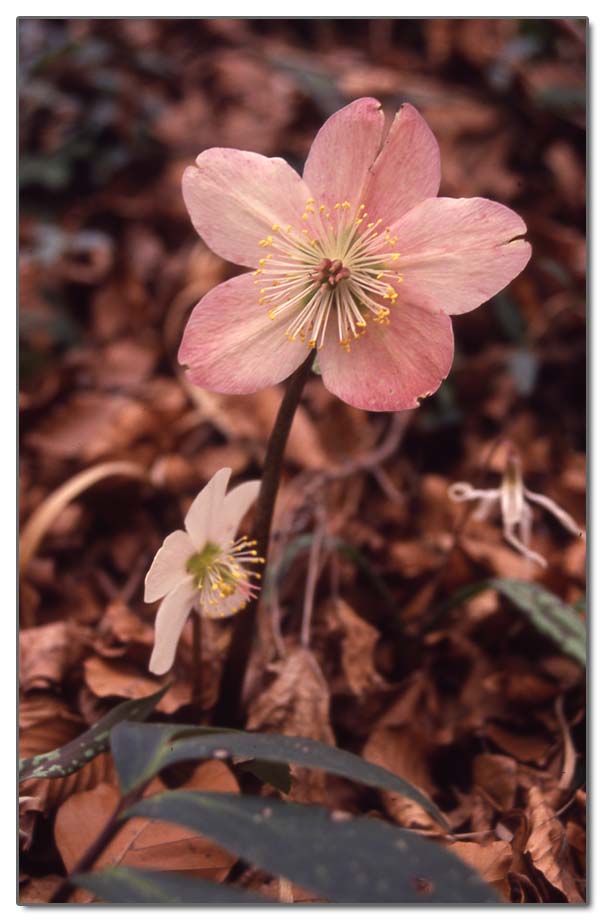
column 297, row 703
column 548, row 847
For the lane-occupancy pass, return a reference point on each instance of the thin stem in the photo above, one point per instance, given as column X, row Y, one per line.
column 96, row 848
column 229, row 712
column 196, row 668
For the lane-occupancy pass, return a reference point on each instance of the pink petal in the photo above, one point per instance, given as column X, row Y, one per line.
column 232, row 347
column 390, row 367
column 206, row 509
column 407, row 170
column 343, row 152
column 457, row 253
column 235, row 197
column 236, row 504
column 169, row 623
column 168, row 566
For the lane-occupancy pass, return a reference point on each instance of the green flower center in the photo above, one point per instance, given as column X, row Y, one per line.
column 208, row 565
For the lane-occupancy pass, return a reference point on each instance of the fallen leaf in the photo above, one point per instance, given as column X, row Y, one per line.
column 548, row 847
column 92, row 425
column 497, row 775
column 358, row 645
column 119, row 678
column 38, row 889
column 48, row 653
column 492, row 861
column 142, row 842
column 297, row 703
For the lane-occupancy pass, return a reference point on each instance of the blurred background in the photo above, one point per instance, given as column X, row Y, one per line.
column 111, row 112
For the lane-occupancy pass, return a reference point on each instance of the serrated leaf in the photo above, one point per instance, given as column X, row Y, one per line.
column 130, row 885
column 346, row 860
column 70, row 758
column 140, row 751
column 548, row 614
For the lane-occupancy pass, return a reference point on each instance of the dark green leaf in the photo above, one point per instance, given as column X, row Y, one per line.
column 130, row 885
column 69, row 758
column 142, row 750
column 347, row 860
column 274, row 773
column 548, row 614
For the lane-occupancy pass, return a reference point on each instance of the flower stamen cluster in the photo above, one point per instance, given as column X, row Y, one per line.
column 335, row 262
column 222, row 573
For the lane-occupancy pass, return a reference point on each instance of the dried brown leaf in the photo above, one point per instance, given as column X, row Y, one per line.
column 142, row 842
column 297, row 703
column 492, row 861
column 359, row 641
column 48, row 653
column 548, row 847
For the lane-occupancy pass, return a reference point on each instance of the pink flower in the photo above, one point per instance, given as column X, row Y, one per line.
column 358, row 259
column 203, row 567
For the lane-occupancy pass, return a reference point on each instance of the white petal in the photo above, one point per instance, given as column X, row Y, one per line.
column 206, row 507
column 168, row 567
column 225, row 608
column 169, row 623
column 564, row 518
column 237, row 502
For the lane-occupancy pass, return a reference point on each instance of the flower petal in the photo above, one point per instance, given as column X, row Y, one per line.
column 407, row 169
column 234, row 197
column 232, row 347
column 343, row 151
column 390, row 367
column 236, row 504
column 225, row 608
column 169, row 623
column 458, row 253
column 206, row 508
column 168, row 566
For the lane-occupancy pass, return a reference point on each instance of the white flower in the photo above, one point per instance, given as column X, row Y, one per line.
column 517, row 516
column 203, row 567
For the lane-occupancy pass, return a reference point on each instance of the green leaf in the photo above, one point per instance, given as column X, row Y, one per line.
column 548, row 614
column 143, row 747
column 274, row 773
column 140, row 751
column 346, row 860
column 130, row 885
column 70, row 758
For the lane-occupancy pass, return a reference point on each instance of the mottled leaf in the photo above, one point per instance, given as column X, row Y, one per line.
column 70, row 758
column 548, row 614
column 344, row 859
column 142, row 750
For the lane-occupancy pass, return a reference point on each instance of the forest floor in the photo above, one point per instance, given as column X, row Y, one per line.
column 368, row 637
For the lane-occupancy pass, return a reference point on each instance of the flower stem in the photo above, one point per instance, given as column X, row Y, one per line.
column 229, row 709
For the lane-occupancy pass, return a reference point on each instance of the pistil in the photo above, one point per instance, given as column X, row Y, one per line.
column 337, row 263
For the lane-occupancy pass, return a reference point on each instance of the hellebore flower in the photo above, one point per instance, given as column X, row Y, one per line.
column 358, row 258
column 516, row 514
column 203, row 567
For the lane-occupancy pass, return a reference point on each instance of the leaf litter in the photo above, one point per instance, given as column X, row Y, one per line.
column 468, row 701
